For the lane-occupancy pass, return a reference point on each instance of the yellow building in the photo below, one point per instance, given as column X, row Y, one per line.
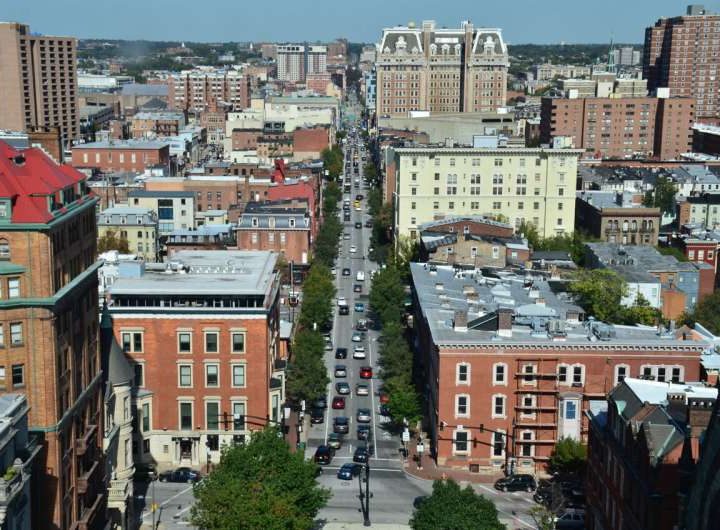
column 139, row 226
column 507, row 183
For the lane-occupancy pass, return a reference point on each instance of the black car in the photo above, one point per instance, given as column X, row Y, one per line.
column 320, row 403
column 346, row 216
column 346, row 272
column 363, row 432
column 145, row 471
column 357, row 288
column 348, row 471
column 341, row 425
column 358, row 225
column 317, row 415
column 368, row 223
column 361, row 455
column 324, row 455
column 418, row 501
column 341, row 353
column 181, row 474
column 344, row 310
column 516, row 483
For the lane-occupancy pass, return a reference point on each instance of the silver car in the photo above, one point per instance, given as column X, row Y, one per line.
column 340, row 370
column 364, row 416
column 362, row 390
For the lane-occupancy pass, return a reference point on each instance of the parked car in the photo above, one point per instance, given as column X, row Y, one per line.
column 335, row 440
column 363, row 432
column 320, row 403
column 516, row 483
column 348, row 471
column 366, row 372
column 338, row 403
column 364, row 415
column 341, row 425
column 342, row 388
column 341, row 353
column 361, row 325
column 340, row 370
column 362, row 390
column 359, row 307
column 317, row 415
column 324, row 455
column 417, row 501
column 361, row 455
column 181, row 474
column 145, row 471
column 346, row 236
column 368, row 223
column 359, row 352
column 570, row 519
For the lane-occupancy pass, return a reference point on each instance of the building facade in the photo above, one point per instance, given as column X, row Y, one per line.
column 151, row 124
column 49, row 323
column 215, row 314
column 273, row 227
column 441, row 70
column 174, row 209
column 515, row 185
column 38, row 81
column 128, row 155
column 137, row 226
column 621, row 127
column 291, row 64
column 509, row 367
column 615, row 218
column 202, row 90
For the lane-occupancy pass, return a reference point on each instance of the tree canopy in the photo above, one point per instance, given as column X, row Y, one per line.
column 260, row 484
column 318, row 292
column 662, row 195
column 707, row 313
column 568, row 456
column 333, row 161
column 453, row 508
column 111, row 241
column 307, row 375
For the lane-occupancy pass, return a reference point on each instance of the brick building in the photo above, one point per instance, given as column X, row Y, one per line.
column 509, row 367
column 706, row 139
column 673, row 59
column 208, row 378
column 643, row 443
column 621, row 127
column 308, row 143
column 701, row 210
column 617, row 218
column 204, row 237
column 49, row 330
column 128, row 155
column 200, row 90
column 278, row 228
column 148, row 124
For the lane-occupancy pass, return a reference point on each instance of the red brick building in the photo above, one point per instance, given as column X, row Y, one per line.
column 130, row 155
column 203, row 338
column 509, row 368
column 201, row 90
column 308, row 144
column 306, row 187
column 621, row 127
column 49, row 332
column 277, row 227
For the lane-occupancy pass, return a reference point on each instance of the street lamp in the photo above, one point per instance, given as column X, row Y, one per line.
column 365, row 496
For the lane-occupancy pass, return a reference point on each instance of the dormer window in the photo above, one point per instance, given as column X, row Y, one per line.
column 292, row 223
column 271, row 222
column 254, row 221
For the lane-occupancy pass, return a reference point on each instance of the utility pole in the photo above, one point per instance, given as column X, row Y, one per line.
column 365, row 496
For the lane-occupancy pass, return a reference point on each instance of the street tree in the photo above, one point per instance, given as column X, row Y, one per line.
column 307, row 376
column 404, row 401
column 707, row 313
column 318, row 292
column 111, row 241
column 568, row 456
column 260, row 484
column 387, row 295
column 453, row 508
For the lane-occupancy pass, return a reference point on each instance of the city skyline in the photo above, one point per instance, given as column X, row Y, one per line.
column 225, row 23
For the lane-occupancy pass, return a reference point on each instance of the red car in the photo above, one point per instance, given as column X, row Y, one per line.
column 338, row 403
column 366, row 372
column 384, row 398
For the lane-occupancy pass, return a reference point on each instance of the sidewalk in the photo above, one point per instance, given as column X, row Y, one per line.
column 430, row 471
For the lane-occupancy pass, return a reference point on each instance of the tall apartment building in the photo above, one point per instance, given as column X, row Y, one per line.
column 38, row 81
column 621, row 127
column 532, row 185
column 49, row 331
column 681, row 53
column 441, row 70
column 316, row 60
column 291, row 62
column 203, row 90
column 202, row 334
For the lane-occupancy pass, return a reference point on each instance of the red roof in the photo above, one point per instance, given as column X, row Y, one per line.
column 28, row 177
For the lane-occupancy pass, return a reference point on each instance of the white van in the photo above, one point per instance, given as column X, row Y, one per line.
column 360, row 276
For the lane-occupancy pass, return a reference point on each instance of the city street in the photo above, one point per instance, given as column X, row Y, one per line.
column 174, row 501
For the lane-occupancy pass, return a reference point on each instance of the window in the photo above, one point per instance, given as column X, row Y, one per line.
column 498, row 410
column 139, row 370
column 2, row 336
column 661, row 374
column 238, row 342
column 621, row 372
column 570, row 410
column 185, row 375
column 212, row 415
column 211, row 375
column 146, row 417
column 436, row 205
column 526, row 449
column 186, row 416
column 184, row 342
column 13, row 287
column 18, row 375
column 463, row 374
column 500, row 374
column 132, row 341
column 677, row 374
column 462, row 405
column 4, row 249
column 16, row 334
column 238, row 375
column 211, row 342
column 528, row 404
column 461, row 442
column 498, row 444
column 238, row 410
column 578, row 374
column 529, row 371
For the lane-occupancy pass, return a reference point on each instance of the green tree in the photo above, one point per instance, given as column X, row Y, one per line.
column 453, row 508
column 395, row 355
column 260, row 484
column 333, row 161
column 404, row 401
column 307, row 376
column 641, row 313
column 600, row 292
column 544, row 518
column 707, row 313
column 111, row 241
column 568, row 456
column 662, row 195
column 387, row 295
column 318, row 292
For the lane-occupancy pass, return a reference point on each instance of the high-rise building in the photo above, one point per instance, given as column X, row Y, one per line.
column 291, row 62
column 316, row 60
column 38, row 81
column 441, row 70
column 201, row 90
column 682, row 53
column 49, row 331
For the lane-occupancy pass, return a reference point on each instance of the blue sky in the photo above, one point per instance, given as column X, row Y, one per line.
column 523, row 21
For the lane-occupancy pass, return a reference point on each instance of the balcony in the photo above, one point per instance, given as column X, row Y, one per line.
column 11, row 486
column 84, row 480
column 81, row 444
column 89, row 515
column 118, row 493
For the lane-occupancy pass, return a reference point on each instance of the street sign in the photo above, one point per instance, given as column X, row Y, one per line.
column 420, row 448
column 406, row 436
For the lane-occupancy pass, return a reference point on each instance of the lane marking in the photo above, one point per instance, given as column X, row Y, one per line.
column 168, row 501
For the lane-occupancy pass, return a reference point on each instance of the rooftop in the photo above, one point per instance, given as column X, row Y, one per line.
column 460, row 219
column 161, row 194
column 123, row 144
column 141, row 89
column 539, row 314
column 126, row 210
column 636, row 262
column 159, row 116
column 603, row 200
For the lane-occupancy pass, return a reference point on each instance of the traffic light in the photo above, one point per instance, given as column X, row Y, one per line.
column 475, row 443
column 482, row 427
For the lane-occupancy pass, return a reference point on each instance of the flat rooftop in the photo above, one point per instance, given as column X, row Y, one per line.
column 123, row 144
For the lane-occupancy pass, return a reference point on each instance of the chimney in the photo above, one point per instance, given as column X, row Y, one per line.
column 460, row 321
column 505, row 321
column 699, row 414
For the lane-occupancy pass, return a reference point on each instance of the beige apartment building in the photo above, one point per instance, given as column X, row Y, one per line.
column 441, row 70
column 510, row 184
column 38, row 81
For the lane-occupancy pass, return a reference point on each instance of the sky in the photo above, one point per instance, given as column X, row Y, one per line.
column 522, row 21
